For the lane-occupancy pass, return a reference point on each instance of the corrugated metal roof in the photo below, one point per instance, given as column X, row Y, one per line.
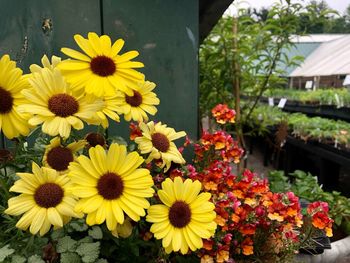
column 316, row 38
column 330, row 58
column 303, row 49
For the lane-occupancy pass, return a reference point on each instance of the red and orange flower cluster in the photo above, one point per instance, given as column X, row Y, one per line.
column 217, row 146
column 248, row 213
column 320, row 219
column 223, row 114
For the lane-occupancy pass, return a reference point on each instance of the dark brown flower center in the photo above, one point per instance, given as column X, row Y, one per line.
column 94, row 138
column 6, row 101
column 59, row 158
column 102, row 66
column 110, row 186
column 160, row 142
column 179, row 214
column 48, row 195
column 135, row 100
column 63, row 105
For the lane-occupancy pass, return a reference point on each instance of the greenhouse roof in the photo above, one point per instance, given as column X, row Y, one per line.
column 303, row 49
column 316, row 38
column 330, row 58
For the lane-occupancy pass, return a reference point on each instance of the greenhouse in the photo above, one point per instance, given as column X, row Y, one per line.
column 175, row 131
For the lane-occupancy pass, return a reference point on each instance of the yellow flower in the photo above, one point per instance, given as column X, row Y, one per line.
column 111, row 184
column 12, row 123
column 157, row 139
column 46, row 64
column 185, row 218
column 101, row 70
column 275, row 216
column 110, row 109
column 58, row 157
column 143, row 100
column 44, row 200
column 123, row 230
column 56, row 106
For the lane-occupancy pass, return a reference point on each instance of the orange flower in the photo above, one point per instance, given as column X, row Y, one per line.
column 222, row 256
column 207, row 259
column 210, row 186
column 208, row 244
column 235, row 218
column 275, row 216
column 247, row 246
column 223, row 114
column 250, row 201
column 220, row 220
column 248, row 229
column 238, row 193
column 329, row 231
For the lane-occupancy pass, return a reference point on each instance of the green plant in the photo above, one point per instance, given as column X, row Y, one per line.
column 306, row 128
column 327, row 96
column 306, row 187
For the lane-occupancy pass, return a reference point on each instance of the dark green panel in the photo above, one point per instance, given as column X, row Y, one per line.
column 26, row 37
column 23, row 37
column 165, row 32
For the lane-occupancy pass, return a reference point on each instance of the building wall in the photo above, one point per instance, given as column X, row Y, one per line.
column 165, row 32
column 332, row 81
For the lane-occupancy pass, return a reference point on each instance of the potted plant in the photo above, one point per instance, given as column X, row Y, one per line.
column 306, row 187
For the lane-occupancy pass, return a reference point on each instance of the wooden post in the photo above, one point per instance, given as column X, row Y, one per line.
column 236, row 91
column 291, row 82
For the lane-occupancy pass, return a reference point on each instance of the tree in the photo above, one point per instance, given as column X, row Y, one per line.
column 257, row 49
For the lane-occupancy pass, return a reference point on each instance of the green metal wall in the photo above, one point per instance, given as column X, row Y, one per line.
column 165, row 32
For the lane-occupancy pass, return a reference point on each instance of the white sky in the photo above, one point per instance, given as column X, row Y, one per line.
column 339, row 5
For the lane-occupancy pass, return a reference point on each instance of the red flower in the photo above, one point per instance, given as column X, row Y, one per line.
column 223, row 114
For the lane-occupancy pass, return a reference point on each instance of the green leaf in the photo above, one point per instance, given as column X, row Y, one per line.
column 18, row 259
column 96, row 232
column 56, row 234
column 87, row 239
column 79, row 225
column 35, row 259
column 70, row 258
column 5, row 252
column 89, row 252
column 66, row 244
column 101, row 260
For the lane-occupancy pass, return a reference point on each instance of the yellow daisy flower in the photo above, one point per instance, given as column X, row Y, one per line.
column 184, row 218
column 143, row 100
column 157, row 139
column 111, row 184
column 58, row 157
column 12, row 123
column 45, row 64
column 110, row 109
column 101, row 70
column 44, row 200
column 56, row 106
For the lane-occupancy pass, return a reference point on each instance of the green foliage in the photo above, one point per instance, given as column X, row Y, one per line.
column 35, row 259
column 278, row 182
column 339, row 97
column 66, row 244
column 306, row 187
column 96, row 232
column 18, row 259
column 70, row 258
column 260, row 45
column 317, row 128
column 78, row 225
column 89, row 252
column 5, row 252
